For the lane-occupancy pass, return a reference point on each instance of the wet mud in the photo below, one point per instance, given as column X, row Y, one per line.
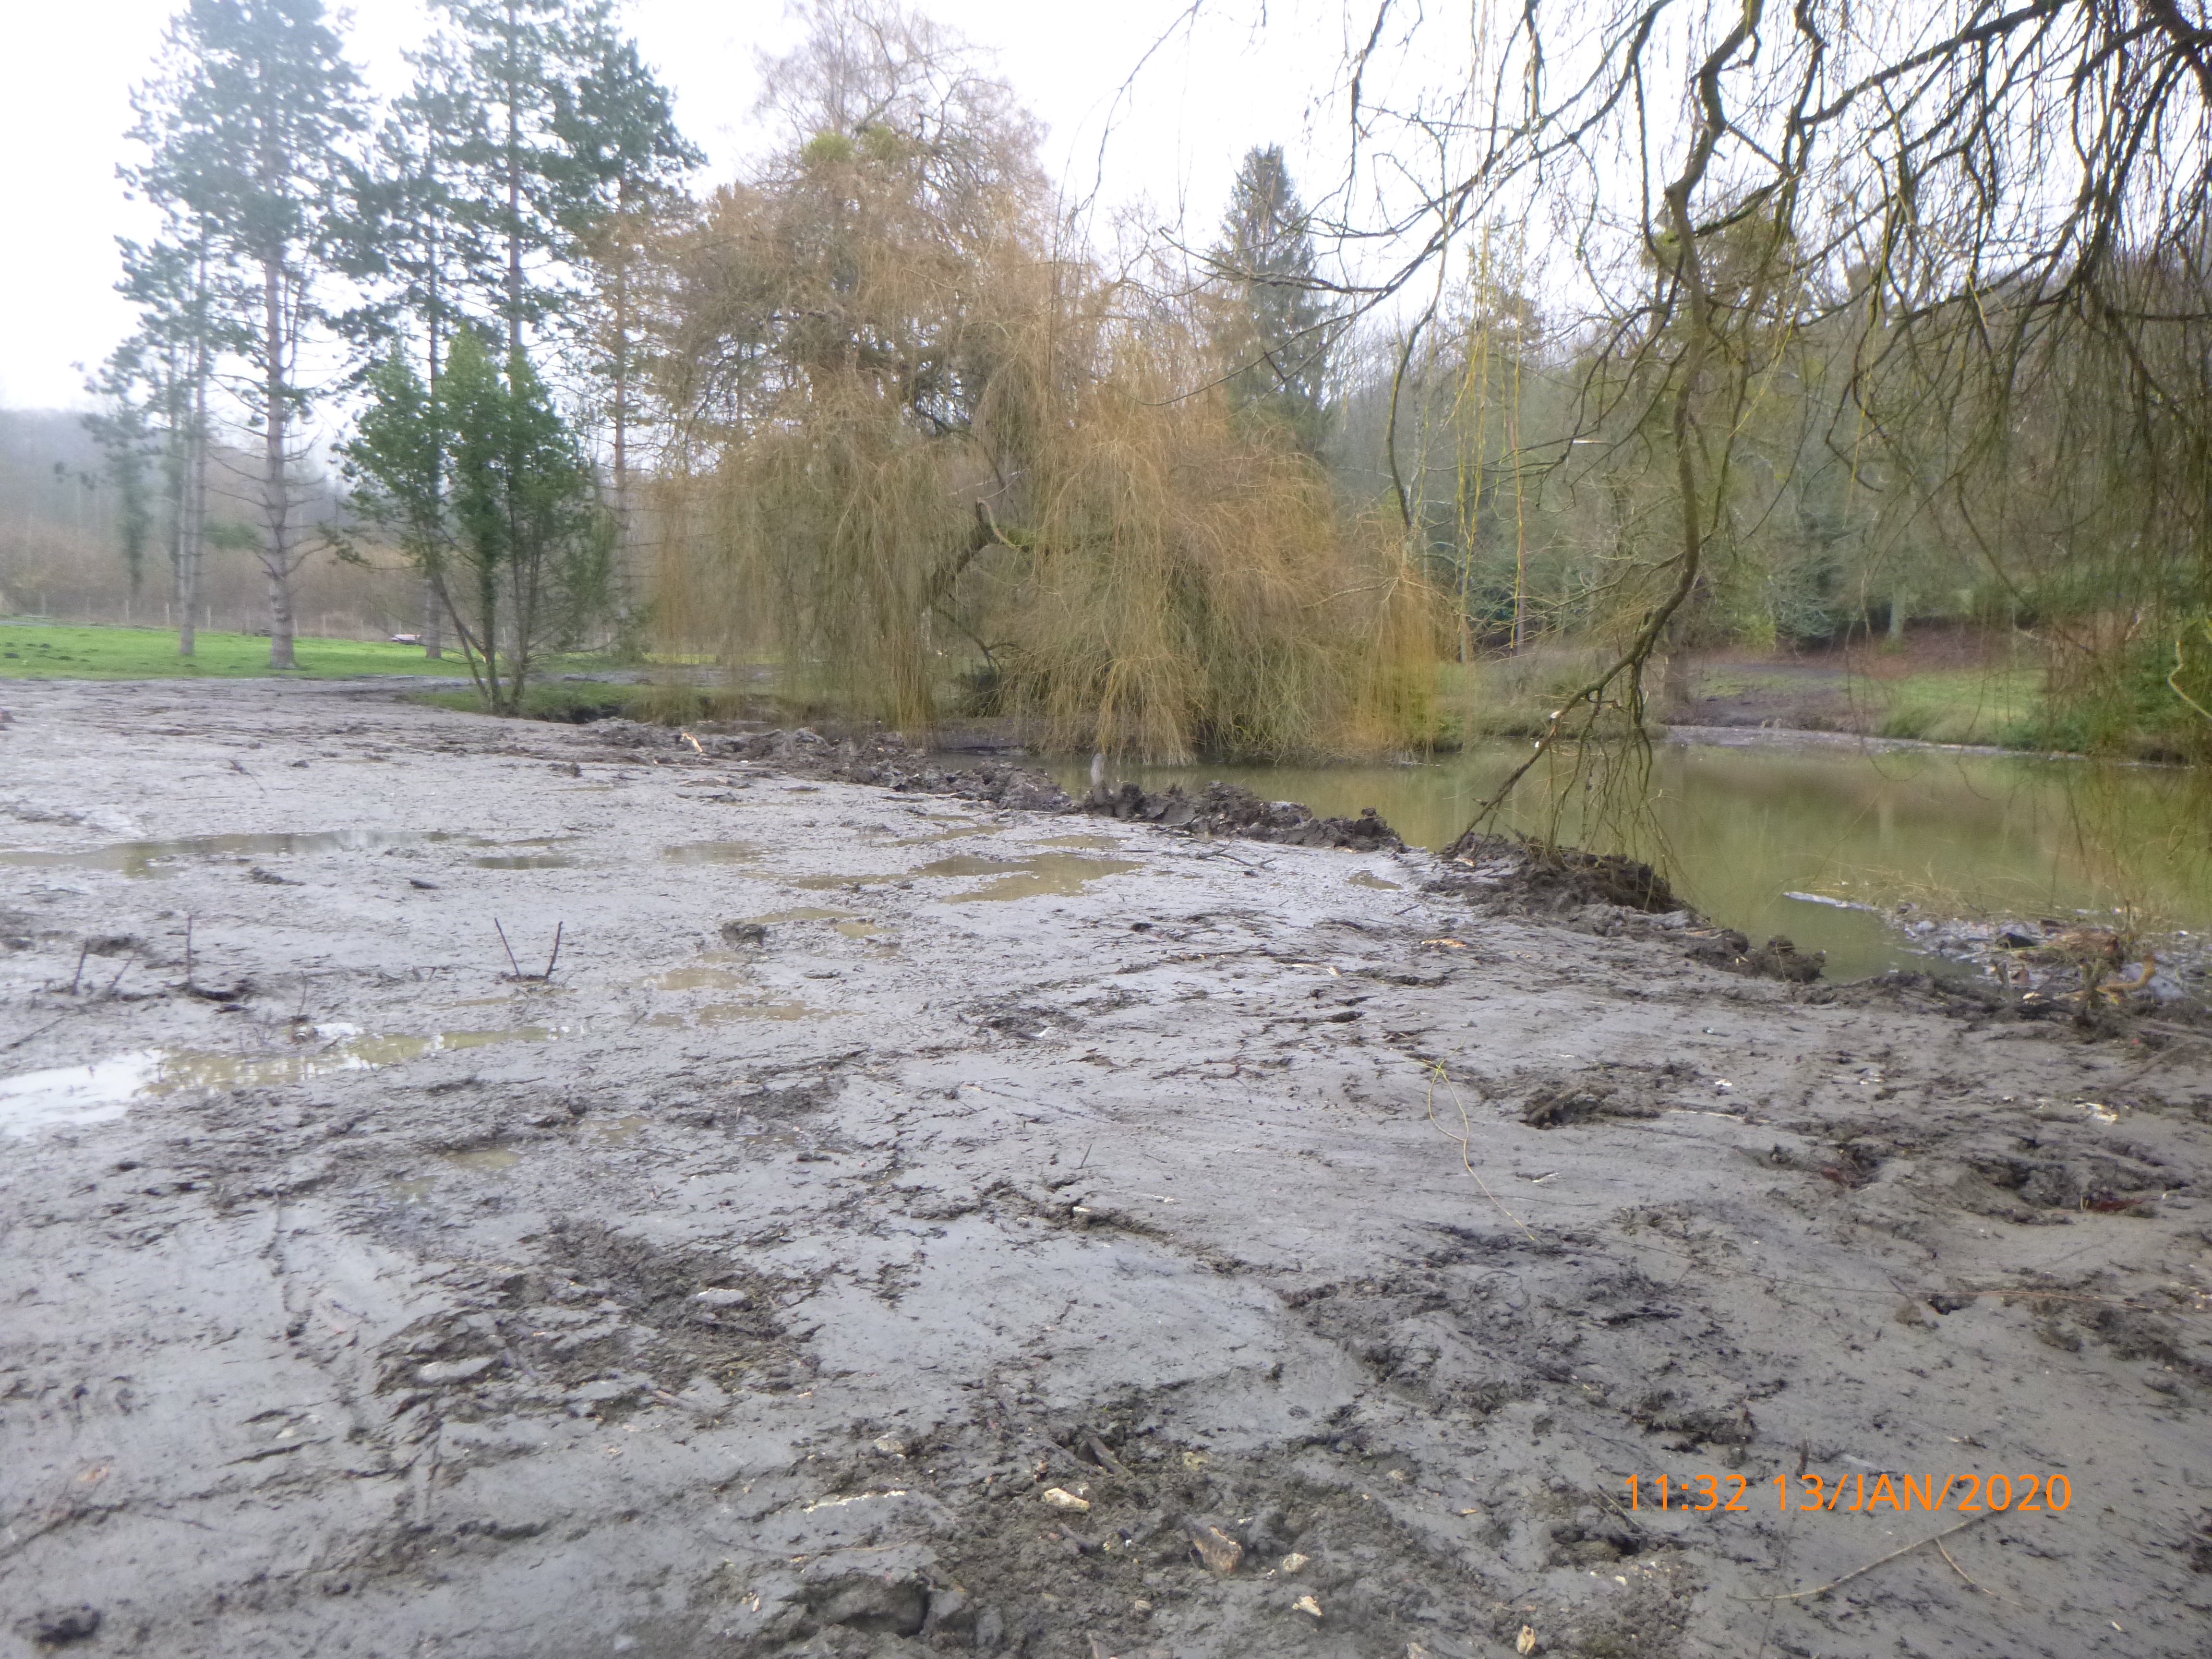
column 947, row 1222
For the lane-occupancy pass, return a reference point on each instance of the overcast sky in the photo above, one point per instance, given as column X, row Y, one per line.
column 1214, row 89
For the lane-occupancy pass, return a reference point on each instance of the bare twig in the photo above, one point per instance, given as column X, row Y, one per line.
column 509, row 949
column 17, row 1043
column 548, row 974
column 1984, row 1589
column 78, row 978
column 1880, row 1560
column 1465, row 1136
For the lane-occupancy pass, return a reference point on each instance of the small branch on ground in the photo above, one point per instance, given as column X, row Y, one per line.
column 1881, row 1560
column 512, row 964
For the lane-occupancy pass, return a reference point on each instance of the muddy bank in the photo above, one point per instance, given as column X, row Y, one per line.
column 905, row 1223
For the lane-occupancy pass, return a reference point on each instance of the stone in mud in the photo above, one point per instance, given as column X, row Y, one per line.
column 990, row 1631
column 739, row 935
column 454, row 1370
column 1220, row 1553
column 54, row 1627
column 952, row 1615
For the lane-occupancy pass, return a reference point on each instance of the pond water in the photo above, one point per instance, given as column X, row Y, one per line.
column 1740, row 830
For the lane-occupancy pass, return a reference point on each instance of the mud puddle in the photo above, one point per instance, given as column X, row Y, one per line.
column 711, row 852
column 1048, row 875
column 725, row 1013
column 698, row 979
column 143, row 858
column 107, row 1088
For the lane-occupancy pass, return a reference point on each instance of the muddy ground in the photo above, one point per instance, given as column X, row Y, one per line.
column 876, row 1166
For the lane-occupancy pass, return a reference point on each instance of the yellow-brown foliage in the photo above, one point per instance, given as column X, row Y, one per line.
column 920, row 445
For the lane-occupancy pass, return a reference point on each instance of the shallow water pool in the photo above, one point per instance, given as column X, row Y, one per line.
column 1740, row 830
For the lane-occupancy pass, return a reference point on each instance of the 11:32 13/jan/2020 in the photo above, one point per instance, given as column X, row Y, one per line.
column 1973, row 1493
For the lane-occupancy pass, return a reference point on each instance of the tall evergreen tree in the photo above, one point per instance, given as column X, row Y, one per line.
column 246, row 133
column 417, row 248
column 515, row 183
column 154, row 392
column 1273, row 328
column 619, row 127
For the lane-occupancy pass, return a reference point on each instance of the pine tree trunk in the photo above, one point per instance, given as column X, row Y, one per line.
column 277, row 555
column 434, row 614
column 626, row 599
column 514, row 204
column 193, row 492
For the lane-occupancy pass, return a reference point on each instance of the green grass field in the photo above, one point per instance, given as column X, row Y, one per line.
column 43, row 651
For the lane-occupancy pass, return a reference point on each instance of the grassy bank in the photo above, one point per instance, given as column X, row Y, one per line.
column 47, row 651
column 1999, row 705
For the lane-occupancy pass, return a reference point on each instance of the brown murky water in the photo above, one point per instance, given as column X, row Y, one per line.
column 1744, row 832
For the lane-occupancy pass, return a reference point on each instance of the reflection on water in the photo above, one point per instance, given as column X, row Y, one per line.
column 74, row 1094
column 151, row 858
column 697, row 978
column 726, row 1014
column 711, row 852
column 1047, row 875
column 144, row 859
column 493, row 1160
column 1740, row 828
column 104, row 1089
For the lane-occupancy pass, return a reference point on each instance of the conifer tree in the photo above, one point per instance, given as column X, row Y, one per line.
column 245, row 134
column 1273, row 329
column 619, row 127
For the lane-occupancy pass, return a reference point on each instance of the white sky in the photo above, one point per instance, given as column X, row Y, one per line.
column 1216, row 87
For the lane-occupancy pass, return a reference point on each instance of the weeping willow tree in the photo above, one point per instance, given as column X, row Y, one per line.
column 918, row 436
column 1985, row 221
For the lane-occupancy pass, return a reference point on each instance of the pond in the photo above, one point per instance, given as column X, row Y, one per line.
column 1741, row 829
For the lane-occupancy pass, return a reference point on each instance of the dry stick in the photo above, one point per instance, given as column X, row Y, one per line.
column 78, row 978
column 1465, row 1136
column 1799, row 1596
column 556, row 956
column 119, row 973
column 509, row 949
column 19, row 1042
column 1984, row 1589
